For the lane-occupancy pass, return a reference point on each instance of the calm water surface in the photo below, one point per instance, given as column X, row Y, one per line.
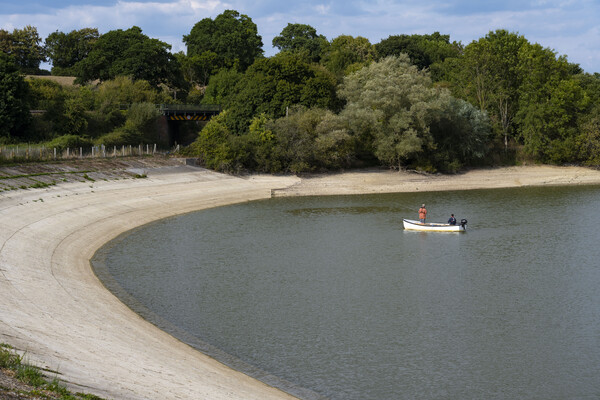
column 333, row 295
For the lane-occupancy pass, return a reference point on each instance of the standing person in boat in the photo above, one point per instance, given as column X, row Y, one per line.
column 422, row 213
column 452, row 220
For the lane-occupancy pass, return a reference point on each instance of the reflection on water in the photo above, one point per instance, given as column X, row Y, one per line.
column 332, row 294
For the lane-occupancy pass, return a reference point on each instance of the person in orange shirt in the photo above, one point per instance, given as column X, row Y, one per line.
column 422, row 214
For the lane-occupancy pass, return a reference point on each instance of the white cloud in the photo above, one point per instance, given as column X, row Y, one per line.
column 322, row 9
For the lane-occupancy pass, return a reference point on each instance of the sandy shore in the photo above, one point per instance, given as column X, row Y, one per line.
column 54, row 308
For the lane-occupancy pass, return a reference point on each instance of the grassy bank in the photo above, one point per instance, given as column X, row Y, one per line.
column 20, row 380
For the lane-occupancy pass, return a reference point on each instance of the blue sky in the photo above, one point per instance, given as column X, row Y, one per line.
column 570, row 27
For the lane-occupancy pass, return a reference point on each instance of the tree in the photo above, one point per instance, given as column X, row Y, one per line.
column 390, row 101
column 213, row 145
column 309, row 139
column 65, row 50
column 129, row 53
column 394, row 111
column 231, row 35
column 271, row 86
column 124, row 90
column 14, row 107
column 25, row 48
column 461, row 133
column 140, row 127
column 551, row 100
column 49, row 96
column 301, row 37
column 588, row 140
column 198, row 68
column 488, row 75
column 423, row 50
column 347, row 54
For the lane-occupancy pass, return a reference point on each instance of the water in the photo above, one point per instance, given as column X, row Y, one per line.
column 333, row 295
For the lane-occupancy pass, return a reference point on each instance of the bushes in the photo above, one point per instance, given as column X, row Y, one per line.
column 140, row 127
column 69, row 141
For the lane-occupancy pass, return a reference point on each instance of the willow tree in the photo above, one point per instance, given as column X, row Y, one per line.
column 389, row 103
column 393, row 108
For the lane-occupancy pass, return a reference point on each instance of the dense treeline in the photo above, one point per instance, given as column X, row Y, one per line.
column 418, row 101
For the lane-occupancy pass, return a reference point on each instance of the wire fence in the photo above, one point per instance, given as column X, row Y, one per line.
column 14, row 153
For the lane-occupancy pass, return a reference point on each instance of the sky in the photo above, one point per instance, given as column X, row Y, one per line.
column 569, row 27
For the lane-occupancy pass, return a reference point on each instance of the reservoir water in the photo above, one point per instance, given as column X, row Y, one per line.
column 331, row 294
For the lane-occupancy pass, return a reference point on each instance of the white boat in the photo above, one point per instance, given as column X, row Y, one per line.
column 434, row 227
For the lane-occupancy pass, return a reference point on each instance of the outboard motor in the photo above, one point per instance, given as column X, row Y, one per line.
column 463, row 222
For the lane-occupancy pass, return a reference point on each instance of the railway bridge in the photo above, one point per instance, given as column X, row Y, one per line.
column 176, row 118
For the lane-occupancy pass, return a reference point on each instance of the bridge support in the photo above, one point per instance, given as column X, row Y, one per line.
column 176, row 131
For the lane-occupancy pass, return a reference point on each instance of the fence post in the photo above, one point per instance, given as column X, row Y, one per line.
column 130, row 151
column 54, row 153
column 123, row 150
column 154, row 151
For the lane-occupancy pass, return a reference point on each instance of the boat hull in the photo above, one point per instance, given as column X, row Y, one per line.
column 432, row 227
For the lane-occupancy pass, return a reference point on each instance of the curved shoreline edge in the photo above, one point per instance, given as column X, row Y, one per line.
column 55, row 309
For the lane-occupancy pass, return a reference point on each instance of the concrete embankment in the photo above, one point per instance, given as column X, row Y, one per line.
column 55, row 309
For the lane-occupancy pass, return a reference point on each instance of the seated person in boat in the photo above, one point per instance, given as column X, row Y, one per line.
column 452, row 220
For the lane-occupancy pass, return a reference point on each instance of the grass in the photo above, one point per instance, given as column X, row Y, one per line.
column 44, row 174
column 38, row 386
column 86, row 176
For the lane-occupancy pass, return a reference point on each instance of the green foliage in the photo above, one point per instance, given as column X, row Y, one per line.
column 65, row 111
column 423, row 50
column 588, row 141
column 33, row 376
column 125, row 90
column 129, row 53
column 281, row 109
column 198, row 68
column 461, row 133
column 232, row 36
column 30, row 375
column 23, row 45
column 14, row 95
column 223, row 88
column 69, row 141
column 310, row 139
column 271, row 86
column 213, row 145
column 393, row 105
column 488, row 75
column 8, row 359
column 65, row 50
column 301, row 38
column 347, row 54
column 390, row 101
column 140, row 127
column 551, row 99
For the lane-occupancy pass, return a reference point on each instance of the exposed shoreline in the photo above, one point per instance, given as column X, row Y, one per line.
column 53, row 306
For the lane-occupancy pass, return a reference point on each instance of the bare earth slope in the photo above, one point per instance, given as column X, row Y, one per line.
column 54, row 308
